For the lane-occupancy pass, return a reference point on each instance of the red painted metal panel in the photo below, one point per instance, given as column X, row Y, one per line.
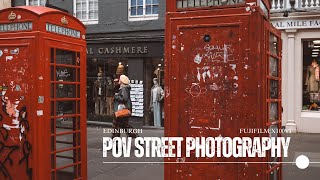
column 29, row 144
column 216, row 84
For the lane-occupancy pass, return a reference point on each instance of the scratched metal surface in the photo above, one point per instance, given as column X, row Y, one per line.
column 15, row 130
column 215, row 85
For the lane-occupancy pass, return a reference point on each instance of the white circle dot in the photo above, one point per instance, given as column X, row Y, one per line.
column 302, row 162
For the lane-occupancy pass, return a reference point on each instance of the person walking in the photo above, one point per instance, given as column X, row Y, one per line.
column 122, row 100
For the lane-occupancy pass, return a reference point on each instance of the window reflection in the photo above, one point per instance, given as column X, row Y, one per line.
column 273, row 67
column 273, row 89
column 273, row 46
column 273, row 111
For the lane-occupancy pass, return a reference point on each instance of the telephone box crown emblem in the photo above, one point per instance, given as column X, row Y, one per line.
column 12, row 16
column 64, row 20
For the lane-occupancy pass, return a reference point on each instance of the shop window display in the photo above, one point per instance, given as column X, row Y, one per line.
column 311, row 73
column 147, row 89
column 102, row 84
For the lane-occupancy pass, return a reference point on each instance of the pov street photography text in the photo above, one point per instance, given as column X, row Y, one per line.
column 199, row 146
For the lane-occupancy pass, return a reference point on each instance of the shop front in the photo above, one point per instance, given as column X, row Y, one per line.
column 142, row 62
column 300, row 72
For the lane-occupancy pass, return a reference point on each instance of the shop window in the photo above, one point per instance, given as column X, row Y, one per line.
column 101, row 86
column 140, row 10
column 144, row 90
column 86, row 11
column 311, row 79
column 35, row 2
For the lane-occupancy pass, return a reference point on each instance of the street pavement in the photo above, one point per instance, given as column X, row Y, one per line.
column 97, row 170
column 301, row 144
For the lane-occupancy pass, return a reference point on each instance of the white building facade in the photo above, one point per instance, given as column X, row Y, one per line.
column 5, row 4
column 299, row 22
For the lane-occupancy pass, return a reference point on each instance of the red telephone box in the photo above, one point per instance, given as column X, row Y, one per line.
column 223, row 73
column 43, row 95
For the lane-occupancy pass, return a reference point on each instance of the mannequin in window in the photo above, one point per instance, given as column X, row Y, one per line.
column 312, row 79
column 109, row 96
column 98, row 94
column 157, row 94
column 119, row 72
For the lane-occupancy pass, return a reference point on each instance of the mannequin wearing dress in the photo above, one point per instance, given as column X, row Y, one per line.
column 157, row 94
column 312, row 81
column 98, row 95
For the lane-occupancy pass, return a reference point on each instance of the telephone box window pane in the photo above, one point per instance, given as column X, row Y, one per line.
column 52, row 55
column 68, row 173
column 53, row 176
column 66, row 90
column 65, row 142
column 53, row 162
column 273, row 111
column 65, row 107
column 79, row 170
column 273, row 67
column 78, row 91
column 78, row 107
column 79, row 139
column 78, row 124
column 52, row 126
column 65, row 57
column 52, row 108
column 52, row 76
column 53, row 143
column 66, row 74
column 78, row 59
column 52, row 90
column 273, row 46
column 78, row 75
column 273, row 89
column 66, row 124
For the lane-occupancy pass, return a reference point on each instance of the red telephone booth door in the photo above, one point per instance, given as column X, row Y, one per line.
column 67, row 105
column 16, row 134
column 212, row 61
column 274, row 95
column 216, row 72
